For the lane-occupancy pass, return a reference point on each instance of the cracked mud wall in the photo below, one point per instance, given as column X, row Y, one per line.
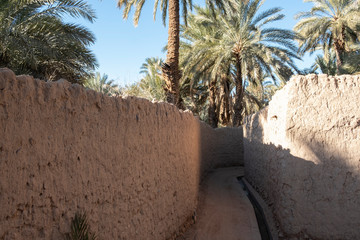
column 132, row 165
column 302, row 155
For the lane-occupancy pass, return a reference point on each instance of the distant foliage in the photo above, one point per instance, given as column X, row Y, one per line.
column 151, row 86
column 101, row 84
column 193, row 94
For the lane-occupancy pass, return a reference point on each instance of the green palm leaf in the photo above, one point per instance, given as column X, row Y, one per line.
column 330, row 24
column 35, row 40
column 80, row 229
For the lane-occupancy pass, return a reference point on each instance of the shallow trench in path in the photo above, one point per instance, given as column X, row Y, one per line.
column 225, row 211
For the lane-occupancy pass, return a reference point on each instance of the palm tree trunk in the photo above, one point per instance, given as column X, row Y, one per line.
column 225, row 114
column 170, row 69
column 213, row 119
column 338, row 57
column 238, row 106
column 195, row 109
column 339, row 46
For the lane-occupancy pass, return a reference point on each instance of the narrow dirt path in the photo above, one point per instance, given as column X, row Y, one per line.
column 225, row 211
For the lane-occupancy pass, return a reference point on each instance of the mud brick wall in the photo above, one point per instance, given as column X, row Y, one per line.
column 301, row 153
column 133, row 166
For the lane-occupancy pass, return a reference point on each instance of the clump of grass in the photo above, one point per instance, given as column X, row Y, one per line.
column 80, row 229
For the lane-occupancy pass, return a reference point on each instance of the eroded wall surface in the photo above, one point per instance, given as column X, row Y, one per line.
column 131, row 165
column 301, row 153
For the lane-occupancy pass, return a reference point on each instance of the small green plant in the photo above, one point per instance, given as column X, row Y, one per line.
column 80, row 229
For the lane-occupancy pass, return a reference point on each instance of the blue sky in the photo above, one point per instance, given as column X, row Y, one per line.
column 121, row 48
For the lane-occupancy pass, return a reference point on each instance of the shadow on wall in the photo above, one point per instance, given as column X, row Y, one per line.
column 313, row 185
column 309, row 199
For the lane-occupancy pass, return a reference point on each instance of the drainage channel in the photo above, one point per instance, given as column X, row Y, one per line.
column 260, row 217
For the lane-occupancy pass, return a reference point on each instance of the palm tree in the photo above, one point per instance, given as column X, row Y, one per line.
column 330, row 24
column 352, row 60
column 258, row 94
column 194, row 95
column 238, row 41
column 101, row 84
column 34, row 39
column 198, row 56
column 170, row 68
column 255, row 50
column 326, row 62
column 152, row 84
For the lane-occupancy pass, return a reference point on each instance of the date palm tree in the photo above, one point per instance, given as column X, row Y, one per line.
column 198, row 57
column 333, row 24
column 152, row 84
column 199, row 52
column 255, row 50
column 170, row 68
column 326, row 63
column 352, row 60
column 35, row 40
column 151, row 87
column 195, row 95
column 238, row 40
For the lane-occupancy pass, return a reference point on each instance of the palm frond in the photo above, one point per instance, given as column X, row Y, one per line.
column 35, row 40
column 80, row 229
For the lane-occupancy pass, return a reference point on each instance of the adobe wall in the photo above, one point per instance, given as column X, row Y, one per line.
column 301, row 153
column 132, row 165
column 221, row 147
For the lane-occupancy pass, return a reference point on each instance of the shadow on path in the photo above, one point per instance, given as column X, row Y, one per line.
column 225, row 211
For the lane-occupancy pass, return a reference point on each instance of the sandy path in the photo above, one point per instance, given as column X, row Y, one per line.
column 226, row 213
